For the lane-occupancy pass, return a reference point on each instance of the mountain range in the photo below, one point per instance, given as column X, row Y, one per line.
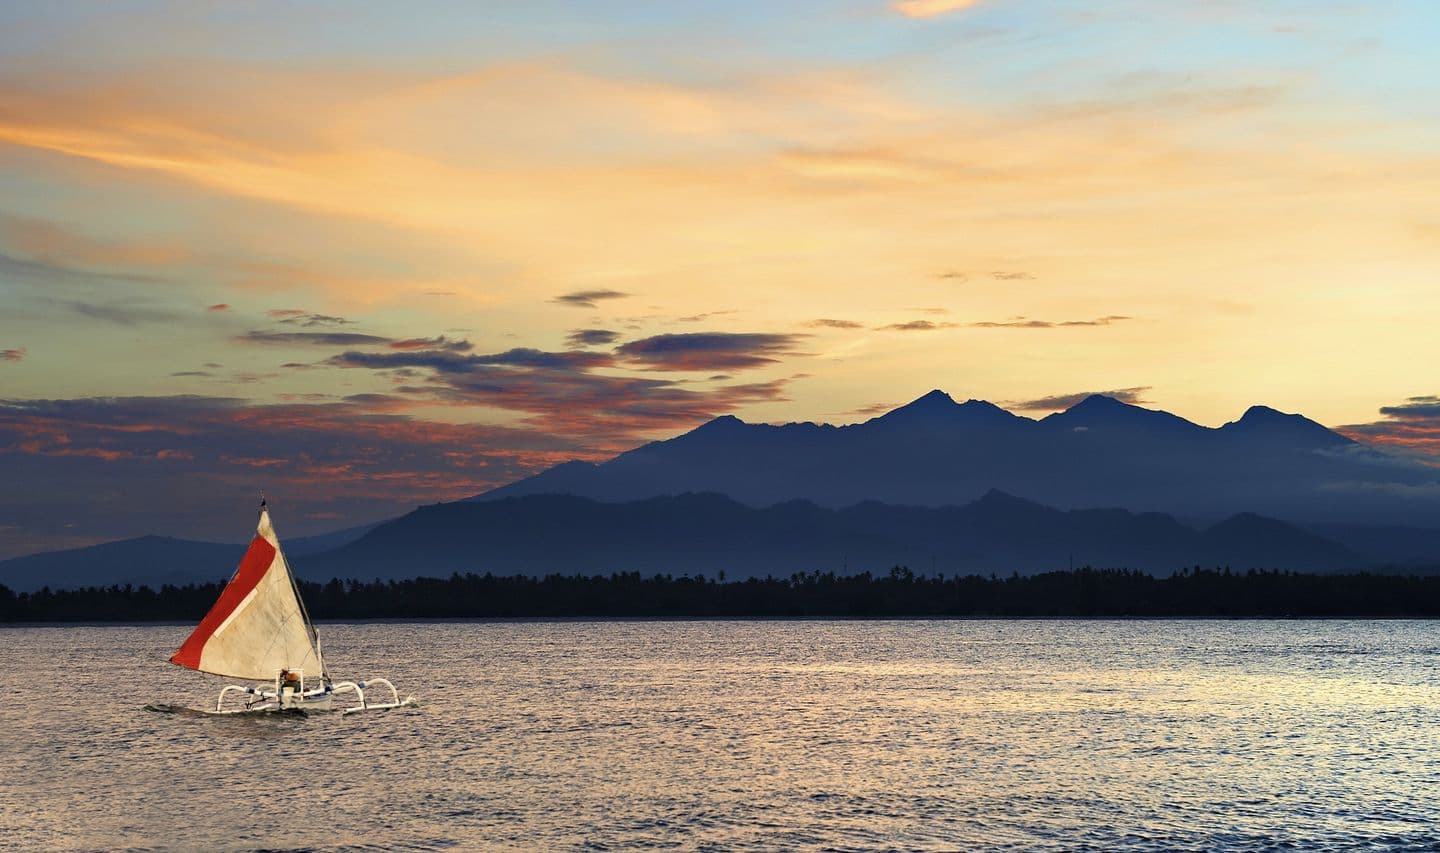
column 1101, row 452
column 150, row 561
column 931, row 485
column 708, row 534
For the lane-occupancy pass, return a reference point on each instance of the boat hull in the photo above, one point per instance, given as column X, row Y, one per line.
column 296, row 710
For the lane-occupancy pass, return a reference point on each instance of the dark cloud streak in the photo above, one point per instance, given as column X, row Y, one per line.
column 310, row 321
column 333, row 339
column 708, row 350
column 1412, row 427
column 436, row 343
column 915, row 326
column 592, row 337
column 587, row 298
column 1414, row 408
column 455, row 363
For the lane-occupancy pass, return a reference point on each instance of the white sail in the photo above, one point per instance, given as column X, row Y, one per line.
column 258, row 626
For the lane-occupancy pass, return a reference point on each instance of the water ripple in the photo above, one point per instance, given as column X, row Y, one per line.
column 842, row 736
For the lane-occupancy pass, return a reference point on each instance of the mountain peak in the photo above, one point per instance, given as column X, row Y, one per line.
column 1099, row 410
column 1263, row 420
column 997, row 504
column 997, row 497
column 935, row 399
column 974, row 405
column 1100, row 407
column 1263, row 412
column 927, row 407
column 1264, row 415
column 940, row 409
column 1101, row 403
column 722, row 422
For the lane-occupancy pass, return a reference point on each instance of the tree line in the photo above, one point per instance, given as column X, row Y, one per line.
column 1082, row 593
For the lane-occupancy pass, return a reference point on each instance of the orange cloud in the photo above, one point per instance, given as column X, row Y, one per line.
column 930, row 8
column 48, row 242
column 1198, row 207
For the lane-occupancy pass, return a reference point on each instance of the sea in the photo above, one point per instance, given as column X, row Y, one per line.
column 744, row 735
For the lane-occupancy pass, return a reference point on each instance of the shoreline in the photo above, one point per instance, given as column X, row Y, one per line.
column 507, row 620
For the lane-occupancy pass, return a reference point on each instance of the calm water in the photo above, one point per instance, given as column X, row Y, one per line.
column 747, row 735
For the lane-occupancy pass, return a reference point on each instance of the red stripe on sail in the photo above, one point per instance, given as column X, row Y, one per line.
column 253, row 567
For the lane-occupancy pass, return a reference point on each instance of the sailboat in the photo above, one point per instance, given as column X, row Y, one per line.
column 259, row 631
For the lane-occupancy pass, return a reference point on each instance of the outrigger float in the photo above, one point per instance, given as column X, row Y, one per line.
column 259, row 631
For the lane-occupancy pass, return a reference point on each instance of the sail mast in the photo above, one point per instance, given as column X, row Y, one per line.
column 300, row 599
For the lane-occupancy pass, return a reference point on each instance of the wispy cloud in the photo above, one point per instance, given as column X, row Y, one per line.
column 16, row 267
column 915, row 326
column 826, row 323
column 121, row 314
column 1098, row 321
column 16, row 354
column 219, row 306
column 708, row 315
column 588, row 298
column 1025, row 323
column 63, row 246
column 1018, row 323
column 870, row 410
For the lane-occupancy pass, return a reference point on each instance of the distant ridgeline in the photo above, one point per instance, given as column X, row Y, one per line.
column 1101, row 452
column 1084, row 593
column 934, row 485
column 706, row 534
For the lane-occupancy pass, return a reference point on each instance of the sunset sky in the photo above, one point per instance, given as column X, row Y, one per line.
column 366, row 256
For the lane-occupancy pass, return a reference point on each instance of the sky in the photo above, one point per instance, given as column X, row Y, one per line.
column 366, row 256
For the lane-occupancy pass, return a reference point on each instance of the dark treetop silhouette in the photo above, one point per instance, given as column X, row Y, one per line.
column 898, row 593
